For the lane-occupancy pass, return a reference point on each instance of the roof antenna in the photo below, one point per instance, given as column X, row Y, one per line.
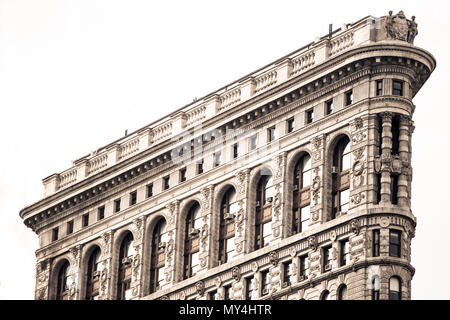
column 330, row 30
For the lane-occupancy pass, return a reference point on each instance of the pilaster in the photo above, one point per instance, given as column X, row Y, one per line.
column 317, row 182
column 279, row 165
column 207, row 194
column 241, row 221
column 172, row 210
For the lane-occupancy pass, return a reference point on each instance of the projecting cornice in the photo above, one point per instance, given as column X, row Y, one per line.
column 301, row 90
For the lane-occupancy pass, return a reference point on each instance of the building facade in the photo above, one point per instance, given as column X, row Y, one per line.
column 293, row 182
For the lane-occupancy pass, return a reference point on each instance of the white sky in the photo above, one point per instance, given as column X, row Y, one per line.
column 75, row 74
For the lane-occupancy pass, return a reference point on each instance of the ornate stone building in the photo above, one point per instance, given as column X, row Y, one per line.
column 293, row 182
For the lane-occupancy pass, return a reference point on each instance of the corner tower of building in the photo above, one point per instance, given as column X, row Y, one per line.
column 293, row 182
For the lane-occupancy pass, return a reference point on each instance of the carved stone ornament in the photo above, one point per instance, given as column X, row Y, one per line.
column 172, row 210
column 399, row 28
column 358, row 124
column 200, row 288
column 164, row 298
column 312, row 243
column 333, row 235
column 217, row 282
column 273, row 258
column 315, row 216
column 182, row 295
column 357, row 198
column 236, row 273
column 292, row 252
column 241, row 180
column 384, row 222
column 254, row 266
column 354, row 226
column 75, row 251
column 42, row 294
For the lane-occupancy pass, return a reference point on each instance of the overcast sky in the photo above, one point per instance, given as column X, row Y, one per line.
column 74, row 75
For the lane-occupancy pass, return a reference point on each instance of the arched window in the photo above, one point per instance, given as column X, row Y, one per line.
column 158, row 256
column 125, row 259
column 264, row 198
column 342, row 292
column 341, row 178
column 301, row 194
column 228, row 211
column 191, row 242
column 395, row 292
column 62, row 288
column 325, row 295
column 93, row 275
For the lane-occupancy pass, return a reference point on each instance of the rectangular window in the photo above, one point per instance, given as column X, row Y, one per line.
column 376, row 243
column 150, row 190
column 166, row 182
column 344, row 199
column 378, row 177
column 227, row 292
column 212, row 295
column 304, row 218
column 117, row 205
column 397, row 88
column 327, row 257
column 100, row 213
column 329, row 107
column 290, row 125
column 271, row 134
column 200, row 166
column 133, row 198
column 217, row 158
column 379, row 87
column 235, row 150
column 345, row 252
column 349, row 97
column 394, row 243
column 309, row 116
column 183, row 174
column 394, row 188
column 55, row 232
column 253, row 142
column 304, row 268
column 70, row 227
column 286, row 281
column 248, row 288
column 85, row 220
column 395, row 131
column 265, row 282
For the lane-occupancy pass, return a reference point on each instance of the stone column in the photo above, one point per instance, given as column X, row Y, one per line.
column 317, row 183
column 279, row 165
column 105, row 290
column 403, row 195
column 171, row 227
column 386, row 146
column 373, row 144
column 205, row 232
column 136, row 268
column 241, row 220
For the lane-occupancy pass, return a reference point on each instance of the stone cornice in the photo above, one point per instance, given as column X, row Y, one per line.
column 305, row 94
